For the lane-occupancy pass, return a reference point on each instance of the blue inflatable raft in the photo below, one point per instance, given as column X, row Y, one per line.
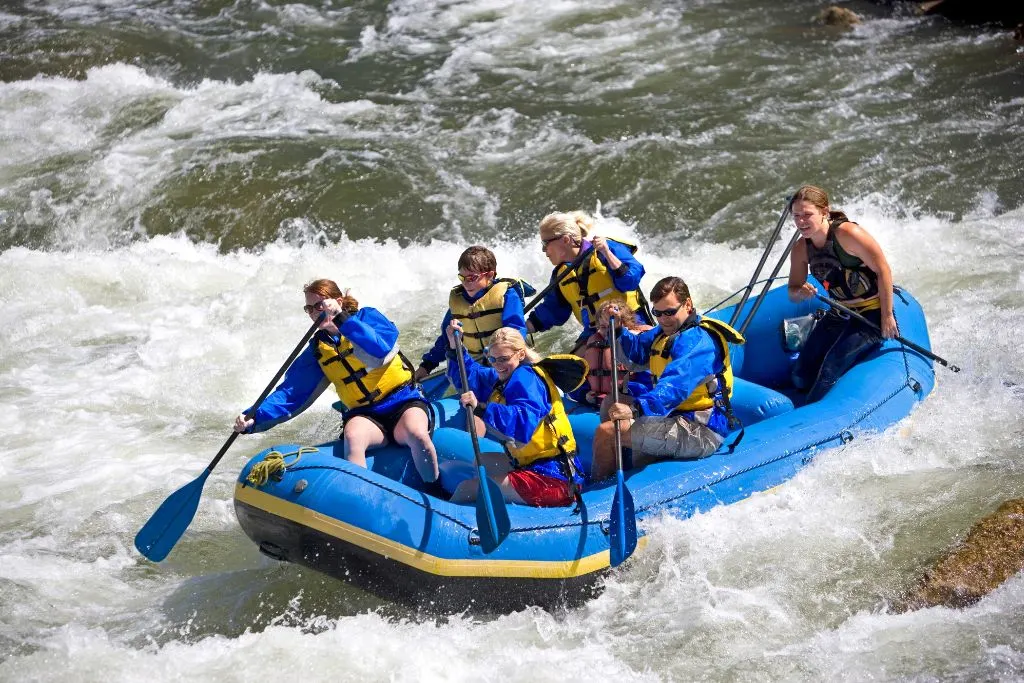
column 375, row 527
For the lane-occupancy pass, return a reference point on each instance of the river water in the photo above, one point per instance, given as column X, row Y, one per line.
column 172, row 172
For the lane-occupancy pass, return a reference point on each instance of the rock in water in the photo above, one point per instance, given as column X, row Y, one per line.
column 838, row 16
column 992, row 552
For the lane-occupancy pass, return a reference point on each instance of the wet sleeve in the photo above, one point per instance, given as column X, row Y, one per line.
column 512, row 314
column 374, row 337
column 301, row 386
column 526, row 404
column 480, row 377
column 637, row 347
column 693, row 360
column 634, row 272
column 552, row 311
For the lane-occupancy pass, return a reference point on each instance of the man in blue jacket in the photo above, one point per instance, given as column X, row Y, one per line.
column 686, row 413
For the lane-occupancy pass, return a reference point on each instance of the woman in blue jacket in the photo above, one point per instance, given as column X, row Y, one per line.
column 356, row 350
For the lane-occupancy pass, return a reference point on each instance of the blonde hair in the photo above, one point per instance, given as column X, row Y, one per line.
column 513, row 338
column 575, row 224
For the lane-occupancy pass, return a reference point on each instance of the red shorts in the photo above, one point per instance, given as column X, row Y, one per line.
column 536, row 489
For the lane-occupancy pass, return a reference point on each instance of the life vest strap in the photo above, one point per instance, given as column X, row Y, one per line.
column 340, row 355
column 473, row 315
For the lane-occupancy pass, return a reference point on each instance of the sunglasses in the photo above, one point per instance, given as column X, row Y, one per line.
column 544, row 243
column 472, row 277
column 666, row 313
column 493, row 360
column 309, row 308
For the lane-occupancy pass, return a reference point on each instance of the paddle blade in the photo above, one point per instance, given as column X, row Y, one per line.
column 491, row 514
column 623, row 524
column 159, row 535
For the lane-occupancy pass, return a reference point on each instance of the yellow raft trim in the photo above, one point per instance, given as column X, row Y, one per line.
column 385, row 547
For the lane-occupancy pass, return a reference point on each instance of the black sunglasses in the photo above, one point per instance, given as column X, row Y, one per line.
column 667, row 312
column 309, row 308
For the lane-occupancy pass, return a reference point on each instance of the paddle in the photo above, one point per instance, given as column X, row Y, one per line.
column 768, row 284
column 854, row 314
column 622, row 519
column 584, row 253
column 159, row 535
column 491, row 514
column 764, row 257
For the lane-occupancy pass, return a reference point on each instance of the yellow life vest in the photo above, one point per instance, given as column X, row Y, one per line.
column 591, row 285
column 481, row 318
column 703, row 397
column 357, row 386
column 553, row 437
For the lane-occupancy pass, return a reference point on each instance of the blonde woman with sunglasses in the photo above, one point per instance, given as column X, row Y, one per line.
column 516, row 402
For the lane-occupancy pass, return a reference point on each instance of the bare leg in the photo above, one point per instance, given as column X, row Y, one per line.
column 604, row 462
column 413, row 430
column 360, row 435
column 497, row 467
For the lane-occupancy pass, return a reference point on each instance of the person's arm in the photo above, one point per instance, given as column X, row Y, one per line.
column 799, row 288
column 481, row 378
column 857, row 242
column 552, row 311
column 625, row 270
column 374, row 337
column 693, row 359
column 526, row 405
column 636, row 348
column 302, row 385
column 512, row 312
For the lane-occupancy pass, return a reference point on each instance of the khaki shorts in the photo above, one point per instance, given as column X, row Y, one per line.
column 674, row 437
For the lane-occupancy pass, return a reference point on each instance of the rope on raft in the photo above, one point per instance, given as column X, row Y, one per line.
column 273, row 464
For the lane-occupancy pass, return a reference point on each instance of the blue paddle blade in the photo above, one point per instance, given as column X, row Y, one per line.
column 158, row 536
column 623, row 524
column 491, row 514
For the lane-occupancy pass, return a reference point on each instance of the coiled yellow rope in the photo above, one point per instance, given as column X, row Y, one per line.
column 262, row 471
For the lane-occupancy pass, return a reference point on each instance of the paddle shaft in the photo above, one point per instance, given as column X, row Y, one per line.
column 491, row 514
column 470, row 422
column 615, row 392
column 584, row 253
column 764, row 257
column 768, row 284
column 161, row 532
column 857, row 316
column 270, row 387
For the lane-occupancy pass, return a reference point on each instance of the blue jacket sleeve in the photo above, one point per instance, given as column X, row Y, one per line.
column 629, row 280
column 437, row 353
column 694, row 357
column 526, row 404
column 480, row 377
column 552, row 311
column 637, row 347
column 374, row 337
column 301, row 386
column 512, row 313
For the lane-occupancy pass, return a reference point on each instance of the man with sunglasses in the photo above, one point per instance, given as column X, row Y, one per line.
column 483, row 303
column 686, row 414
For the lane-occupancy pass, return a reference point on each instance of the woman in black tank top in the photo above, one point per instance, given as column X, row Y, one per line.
column 851, row 266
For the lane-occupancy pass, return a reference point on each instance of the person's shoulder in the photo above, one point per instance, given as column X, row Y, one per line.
column 526, row 375
column 369, row 315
